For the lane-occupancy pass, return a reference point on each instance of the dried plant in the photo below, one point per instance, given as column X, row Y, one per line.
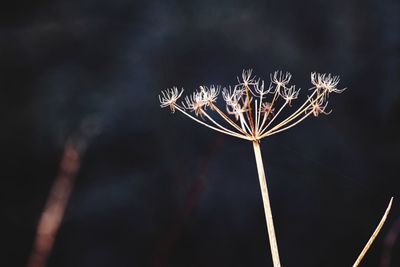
column 251, row 106
column 254, row 111
column 374, row 235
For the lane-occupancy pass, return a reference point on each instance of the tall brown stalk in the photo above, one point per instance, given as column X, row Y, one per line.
column 56, row 203
column 52, row 215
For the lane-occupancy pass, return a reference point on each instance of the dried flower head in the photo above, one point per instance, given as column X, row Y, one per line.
column 209, row 94
column 252, row 112
column 247, row 78
column 267, row 108
column 237, row 108
column 169, row 97
column 195, row 102
column 289, row 94
column 280, row 79
column 318, row 106
column 326, row 82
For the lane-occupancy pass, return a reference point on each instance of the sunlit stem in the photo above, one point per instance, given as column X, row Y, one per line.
column 249, row 112
column 266, row 115
column 244, row 124
column 277, row 88
column 212, row 127
column 269, row 123
column 216, row 123
column 269, row 133
column 298, row 112
column 374, row 235
column 228, row 120
column 267, row 206
column 256, row 115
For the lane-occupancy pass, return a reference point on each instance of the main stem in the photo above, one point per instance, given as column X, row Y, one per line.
column 267, row 206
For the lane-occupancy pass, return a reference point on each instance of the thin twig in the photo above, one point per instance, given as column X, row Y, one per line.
column 210, row 126
column 227, row 119
column 374, row 235
column 167, row 242
column 53, row 213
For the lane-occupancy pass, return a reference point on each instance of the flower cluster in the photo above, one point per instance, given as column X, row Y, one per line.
column 169, row 97
column 251, row 108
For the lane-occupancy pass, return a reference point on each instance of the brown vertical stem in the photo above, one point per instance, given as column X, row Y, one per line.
column 53, row 212
column 267, row 206
column 52, row 215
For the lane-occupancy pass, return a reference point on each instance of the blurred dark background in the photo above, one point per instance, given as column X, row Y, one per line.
column 156, row 189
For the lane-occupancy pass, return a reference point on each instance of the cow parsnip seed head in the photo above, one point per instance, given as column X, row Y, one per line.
column 251, row 109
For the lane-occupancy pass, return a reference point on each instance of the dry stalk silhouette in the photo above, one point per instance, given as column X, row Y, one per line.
column 56, row 203
column 252, row 112
column 374, row 235
column 167, row 241
column 52, row 215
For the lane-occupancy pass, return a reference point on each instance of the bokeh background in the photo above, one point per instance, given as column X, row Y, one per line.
column 154, row 188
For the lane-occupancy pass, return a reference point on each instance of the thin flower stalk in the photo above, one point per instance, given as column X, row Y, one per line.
column 374, row 235
column 315, row 106
column 250, row 115
column 267, row 206
column 209, row 126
